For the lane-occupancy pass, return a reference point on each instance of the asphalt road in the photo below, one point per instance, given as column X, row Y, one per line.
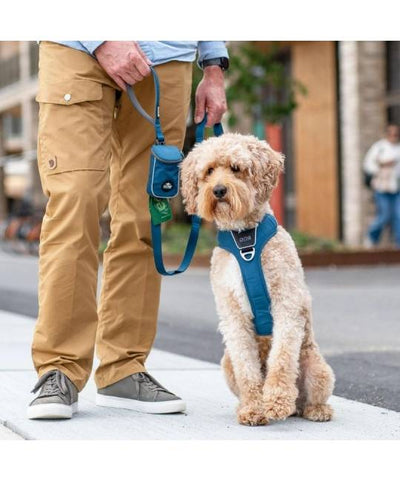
column 356, row 319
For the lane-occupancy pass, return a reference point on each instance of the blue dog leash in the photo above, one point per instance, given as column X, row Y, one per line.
column 164, row 173
column 195, row 222
column 246, row 246
column 199, row 134
column 156, row 121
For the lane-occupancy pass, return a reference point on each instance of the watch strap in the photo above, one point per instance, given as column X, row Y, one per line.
column 220, row 61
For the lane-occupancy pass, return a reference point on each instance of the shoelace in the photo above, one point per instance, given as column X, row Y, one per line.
column 53, row 383
column 150, row 382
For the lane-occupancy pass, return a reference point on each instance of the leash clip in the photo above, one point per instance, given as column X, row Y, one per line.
column 247, row 254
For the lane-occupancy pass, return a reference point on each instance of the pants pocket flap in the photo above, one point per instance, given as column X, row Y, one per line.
column 69, row 93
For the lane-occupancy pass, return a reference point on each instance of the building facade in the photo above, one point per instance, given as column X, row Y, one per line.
column 18, row 118
column 353, row 91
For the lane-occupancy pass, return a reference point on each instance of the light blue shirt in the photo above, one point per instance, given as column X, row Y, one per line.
column 162, row 52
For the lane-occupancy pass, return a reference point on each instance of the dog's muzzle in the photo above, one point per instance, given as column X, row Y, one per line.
column 219, row 191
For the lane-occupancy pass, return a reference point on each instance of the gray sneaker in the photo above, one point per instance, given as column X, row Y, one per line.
column 140, row 392
column 57, row 399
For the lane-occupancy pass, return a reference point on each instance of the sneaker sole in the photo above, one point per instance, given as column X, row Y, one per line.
column 161, row 407
column 52, row 411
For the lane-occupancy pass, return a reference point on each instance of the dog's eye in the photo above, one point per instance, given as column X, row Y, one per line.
column 210, row 171
column 235, row 168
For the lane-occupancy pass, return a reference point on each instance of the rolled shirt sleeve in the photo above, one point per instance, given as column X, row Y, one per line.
column 211, row 49
column 92, row 45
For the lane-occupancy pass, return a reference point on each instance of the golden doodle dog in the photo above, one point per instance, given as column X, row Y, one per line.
column 229, row 180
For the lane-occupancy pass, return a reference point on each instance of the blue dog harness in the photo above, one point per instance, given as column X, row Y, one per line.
column 247, row 247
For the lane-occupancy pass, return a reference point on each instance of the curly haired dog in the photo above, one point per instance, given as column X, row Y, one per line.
column 273, row 376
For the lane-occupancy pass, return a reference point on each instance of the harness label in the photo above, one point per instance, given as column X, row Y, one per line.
column 245, row 238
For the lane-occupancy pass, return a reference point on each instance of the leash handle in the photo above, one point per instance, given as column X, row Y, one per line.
column 135, row 102
column 200, row 128
column 189, row 251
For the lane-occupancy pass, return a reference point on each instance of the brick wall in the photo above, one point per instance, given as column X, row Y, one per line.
column 363, row 116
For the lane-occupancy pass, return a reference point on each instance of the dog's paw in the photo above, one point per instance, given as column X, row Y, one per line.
column 279, row 406
column 251, row 414
column 318, row 412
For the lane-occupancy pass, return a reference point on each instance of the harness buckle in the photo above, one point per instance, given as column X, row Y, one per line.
column 247, row 254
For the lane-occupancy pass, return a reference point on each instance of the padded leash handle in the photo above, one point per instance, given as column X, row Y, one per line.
column 135, row 102
column 200, row 128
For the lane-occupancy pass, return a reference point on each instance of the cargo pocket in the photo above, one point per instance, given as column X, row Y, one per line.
column 74, row 127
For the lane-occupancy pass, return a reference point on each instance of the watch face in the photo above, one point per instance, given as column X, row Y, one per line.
column 224, row 63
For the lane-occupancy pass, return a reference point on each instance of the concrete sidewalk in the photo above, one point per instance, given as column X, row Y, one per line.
column 210, row 413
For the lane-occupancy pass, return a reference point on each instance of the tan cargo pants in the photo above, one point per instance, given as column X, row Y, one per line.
column 93, row 152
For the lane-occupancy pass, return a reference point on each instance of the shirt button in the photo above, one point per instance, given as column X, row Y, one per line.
column 67, row 97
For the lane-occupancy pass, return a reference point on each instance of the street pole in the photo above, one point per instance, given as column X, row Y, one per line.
column 3, row 200
column 258, row 127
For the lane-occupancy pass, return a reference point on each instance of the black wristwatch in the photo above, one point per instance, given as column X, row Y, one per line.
column 222, row 62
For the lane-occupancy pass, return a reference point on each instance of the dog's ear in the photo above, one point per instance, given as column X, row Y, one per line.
column 189, row 183
column 268, row 164
column 274, row 166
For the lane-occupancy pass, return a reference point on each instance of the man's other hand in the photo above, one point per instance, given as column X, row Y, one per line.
column 124, row 62
column 210, row 96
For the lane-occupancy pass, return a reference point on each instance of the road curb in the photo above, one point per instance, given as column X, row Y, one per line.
column 9, row 434
column 316, row 259
column 308, row 259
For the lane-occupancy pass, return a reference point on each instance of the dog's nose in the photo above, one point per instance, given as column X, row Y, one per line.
column 219, row 191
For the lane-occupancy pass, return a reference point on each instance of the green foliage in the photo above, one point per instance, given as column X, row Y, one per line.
column 306, row 242
column 260, row 82
column 176, row 234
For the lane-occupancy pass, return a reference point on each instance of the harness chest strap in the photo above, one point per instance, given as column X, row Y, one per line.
column 247, row 247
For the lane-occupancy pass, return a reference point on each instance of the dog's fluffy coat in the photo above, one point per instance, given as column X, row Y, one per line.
column 273, row 376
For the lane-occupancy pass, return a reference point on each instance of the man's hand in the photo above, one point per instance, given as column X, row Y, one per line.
column 210, row 96
column 124, row 62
